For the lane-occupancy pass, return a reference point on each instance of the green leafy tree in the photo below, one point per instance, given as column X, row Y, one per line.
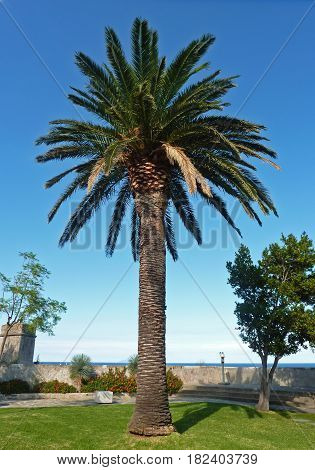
column 23, row 301
column 81, row 369
column 276, row 315
column 156, row 138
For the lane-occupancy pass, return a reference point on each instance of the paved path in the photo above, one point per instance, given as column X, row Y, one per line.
column 51, row 402
column 44, row 403
column 55, row 402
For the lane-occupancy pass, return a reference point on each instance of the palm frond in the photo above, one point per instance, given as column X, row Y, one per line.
column 135, row 233
column 97, row 169
column 78, row 168
column 184, row 209
column 190, row 173
column 117, row 217
column 217, row 202
column 102, row 190
column 180, row 68
column 144, row 49
column 78, row 183
column 170, row 235
column 122, row 69
column 66, row 151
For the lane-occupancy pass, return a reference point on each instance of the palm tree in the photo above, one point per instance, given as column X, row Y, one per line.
column 157, row 140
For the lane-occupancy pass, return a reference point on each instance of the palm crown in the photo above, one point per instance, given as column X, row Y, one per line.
column 155, row 133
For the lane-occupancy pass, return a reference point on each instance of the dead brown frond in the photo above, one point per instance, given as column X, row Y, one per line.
column 96, row 170
column 190, row 173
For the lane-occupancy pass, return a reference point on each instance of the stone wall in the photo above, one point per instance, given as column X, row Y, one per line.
column 40, row 372
column 19, row 345
column 246, row 376
column 296, row 377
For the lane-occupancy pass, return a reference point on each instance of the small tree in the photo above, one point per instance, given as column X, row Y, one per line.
column 81, row 369
column 276, row 316
column 23, row 301
column 133, row 364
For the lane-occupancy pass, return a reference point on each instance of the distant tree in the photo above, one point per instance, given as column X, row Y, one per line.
column 81, row 369
column 23, row 301
column 133, row 364
column 276, row 314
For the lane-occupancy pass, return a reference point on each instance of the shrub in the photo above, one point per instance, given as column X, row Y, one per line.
column 133, row 364
column 115, row 380
column 81, row 369
column 174, row 383
column 14, row 386
column 54, row 386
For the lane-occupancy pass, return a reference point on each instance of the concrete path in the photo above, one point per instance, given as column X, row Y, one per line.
column 52, row 402
column 89, row 401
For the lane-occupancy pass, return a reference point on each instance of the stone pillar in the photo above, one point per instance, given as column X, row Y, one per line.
column 19, row 346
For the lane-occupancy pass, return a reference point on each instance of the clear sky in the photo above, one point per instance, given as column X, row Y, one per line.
column 38, row 42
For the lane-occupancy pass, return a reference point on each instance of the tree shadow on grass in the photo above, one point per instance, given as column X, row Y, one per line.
column 196, row 412
column 199, row 411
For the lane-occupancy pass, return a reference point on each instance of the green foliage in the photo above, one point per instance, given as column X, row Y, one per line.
column 115, row 380
column 146, row 107
column 276, row 314
column 81, row 367
column 54, row 386
column 174, row 383
column 133, row 364
column 14, row 386
column 23, row 300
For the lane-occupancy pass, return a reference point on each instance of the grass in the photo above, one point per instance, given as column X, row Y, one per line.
column 199, row 426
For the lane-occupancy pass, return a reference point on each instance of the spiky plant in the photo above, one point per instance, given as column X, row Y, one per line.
column 81, row 368
column 133, row 362
column 155, row 141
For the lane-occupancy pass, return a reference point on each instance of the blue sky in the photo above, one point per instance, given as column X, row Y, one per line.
column 249, row 35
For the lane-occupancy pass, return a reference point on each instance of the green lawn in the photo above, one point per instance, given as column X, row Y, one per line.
column 199, row 426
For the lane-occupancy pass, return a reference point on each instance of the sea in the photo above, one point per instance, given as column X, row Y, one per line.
column 194, row 364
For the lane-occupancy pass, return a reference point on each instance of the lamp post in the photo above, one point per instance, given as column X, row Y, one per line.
column 222, row 356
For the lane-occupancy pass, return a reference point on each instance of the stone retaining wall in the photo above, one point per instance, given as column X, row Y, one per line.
column 41, row 373
column 296, row 377
column 287, row 377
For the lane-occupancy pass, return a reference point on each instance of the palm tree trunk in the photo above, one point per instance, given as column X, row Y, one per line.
column 152, row 416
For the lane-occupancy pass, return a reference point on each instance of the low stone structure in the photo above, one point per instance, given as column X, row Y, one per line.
column 103, row 397
column 292, row 377
column 19, row 345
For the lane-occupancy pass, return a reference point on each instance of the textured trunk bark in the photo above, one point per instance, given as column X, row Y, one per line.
column 152, row 416
column 266, row 382
column 264, row 395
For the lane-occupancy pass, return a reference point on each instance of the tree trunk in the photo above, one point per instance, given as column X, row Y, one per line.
column 266, row 382
column 273, row 369
column 264, row 395
column 152, row 416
